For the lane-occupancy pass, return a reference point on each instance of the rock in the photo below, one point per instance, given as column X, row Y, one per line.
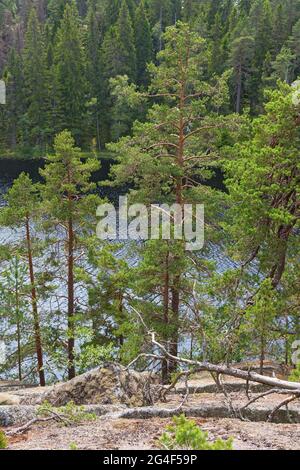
column 11, row 415
column 7, row 399
column 110, row 385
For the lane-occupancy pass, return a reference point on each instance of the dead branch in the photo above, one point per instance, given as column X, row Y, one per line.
column 54, row 416
column 27, row 426
column 171, row 387
column 285, row 402
column 223, row 390
column 186, row 396
column 229, row 371
column 217, row 371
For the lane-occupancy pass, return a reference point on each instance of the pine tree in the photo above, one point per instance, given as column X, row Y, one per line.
column 36, row 84
column 164, row 155
column 143, row 44
column 12, row 300
column 265, row 168
column 69, row 76
column 67, row 203
column 23, row 205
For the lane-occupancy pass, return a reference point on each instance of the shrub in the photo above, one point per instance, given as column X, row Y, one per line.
column 185, row 434
column 73, row 446
column 3, row 440
column 70, row 414
column 295, row 376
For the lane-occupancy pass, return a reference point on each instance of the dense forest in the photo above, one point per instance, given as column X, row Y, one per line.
column 194, row 101
column 58, row 59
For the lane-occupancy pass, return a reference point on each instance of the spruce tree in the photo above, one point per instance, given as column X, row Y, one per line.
column 143, row 44
column 95, row 33
column 56, row 10
column 69, row 89
column 241, row 55
column 217, row 50
column 113, row 8
column 14, row 108
column 294, row 45
column 125, row 37
column 261, row 23
column 280, row 31
column 36, row 84
column 283, row 65
column 118, row 49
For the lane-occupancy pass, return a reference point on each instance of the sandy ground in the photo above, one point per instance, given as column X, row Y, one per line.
column 120, row 434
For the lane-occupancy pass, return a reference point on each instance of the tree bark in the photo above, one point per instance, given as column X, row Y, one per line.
column 239, row 90
column 17, row 297
column 37, row 329
column 164, row 364
column 71, row 332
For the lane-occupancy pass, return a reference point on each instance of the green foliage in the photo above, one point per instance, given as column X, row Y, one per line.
column 262, row 170
column 90, row 67
column 73, row 446
column 143, row 44
column 36, row 84
column 68, row 75
column 185, row 434
column 70, row 414
column 60, row 79
column 3, row 440
column 295, row 376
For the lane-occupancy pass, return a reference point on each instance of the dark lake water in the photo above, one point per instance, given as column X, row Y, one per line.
column 11, row 168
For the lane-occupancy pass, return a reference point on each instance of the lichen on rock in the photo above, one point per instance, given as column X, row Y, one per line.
column 108, row 385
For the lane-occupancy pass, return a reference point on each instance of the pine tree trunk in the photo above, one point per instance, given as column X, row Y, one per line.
column 17, row 296
column 71, row 332
column 262, row 354
column 175, row 321
column 175, row 290
column 164, row 365
column 37, row 329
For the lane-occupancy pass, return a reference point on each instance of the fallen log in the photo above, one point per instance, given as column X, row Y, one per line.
column 218, row 371
column 228, row 371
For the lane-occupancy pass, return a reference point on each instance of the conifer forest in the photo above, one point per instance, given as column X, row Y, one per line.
column 150, row 225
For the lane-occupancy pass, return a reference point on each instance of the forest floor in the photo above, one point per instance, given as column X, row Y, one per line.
column 123, row 434
column 208, row 408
